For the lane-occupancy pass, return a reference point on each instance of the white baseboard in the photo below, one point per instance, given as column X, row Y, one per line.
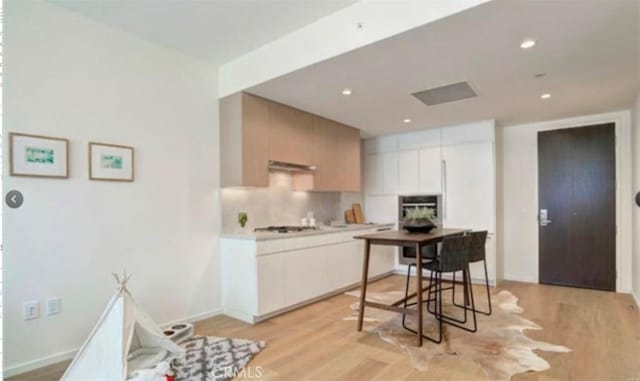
column 68, row 355
column 636, row 297
column 518, row 279
column 39, row 363
column 529, row 280
column 194, row 318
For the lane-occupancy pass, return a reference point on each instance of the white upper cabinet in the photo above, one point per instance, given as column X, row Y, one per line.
column 374, row 173
column 408, row 172
column 381, row 172
column 469, row 186
column 381, row 165
column 420, row 139
column 430, row 168
column 471, row 132
column 390, row 170
column 381, row 144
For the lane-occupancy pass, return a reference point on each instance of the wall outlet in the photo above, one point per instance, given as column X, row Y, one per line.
column 30, row 310
column 53, row 306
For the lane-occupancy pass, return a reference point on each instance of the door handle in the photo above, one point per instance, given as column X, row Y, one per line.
column 544, row 217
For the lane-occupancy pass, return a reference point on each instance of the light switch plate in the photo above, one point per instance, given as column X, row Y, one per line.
column 53, row 306
column 30, row 310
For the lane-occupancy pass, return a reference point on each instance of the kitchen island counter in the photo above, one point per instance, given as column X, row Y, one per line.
column 262, row 236
column 265, row 274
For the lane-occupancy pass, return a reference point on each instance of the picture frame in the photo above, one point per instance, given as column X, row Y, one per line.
column 111, row 162
column 38, row 156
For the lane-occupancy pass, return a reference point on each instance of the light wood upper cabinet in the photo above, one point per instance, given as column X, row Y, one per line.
column 350, row 148
column 254, row 130
column 290, row 134
column 323, row 178
column 244, row 141
column 336, row 155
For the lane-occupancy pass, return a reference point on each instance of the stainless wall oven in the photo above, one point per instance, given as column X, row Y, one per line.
column 405, row 203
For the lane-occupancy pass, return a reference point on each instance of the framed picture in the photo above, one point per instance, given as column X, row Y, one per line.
column 110, row 162
column 38, row 156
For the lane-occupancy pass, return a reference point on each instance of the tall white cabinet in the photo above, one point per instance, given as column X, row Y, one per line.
column 457, row 162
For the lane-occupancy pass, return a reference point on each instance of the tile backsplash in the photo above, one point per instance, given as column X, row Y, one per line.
column 277, row 205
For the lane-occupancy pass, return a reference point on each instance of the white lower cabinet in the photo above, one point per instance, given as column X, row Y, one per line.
column 264, row 278
column 305, row 274
column 271, row 287
column 381, row 259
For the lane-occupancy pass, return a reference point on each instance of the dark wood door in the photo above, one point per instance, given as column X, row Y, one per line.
column 577, row 188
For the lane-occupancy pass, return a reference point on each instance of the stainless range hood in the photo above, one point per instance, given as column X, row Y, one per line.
column 290, row 167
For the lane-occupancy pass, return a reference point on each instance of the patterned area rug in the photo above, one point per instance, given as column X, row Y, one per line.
column 497, row 351
column 211, row 358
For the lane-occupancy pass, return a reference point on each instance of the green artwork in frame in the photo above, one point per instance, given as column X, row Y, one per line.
column 39, row 155
column 111, row 161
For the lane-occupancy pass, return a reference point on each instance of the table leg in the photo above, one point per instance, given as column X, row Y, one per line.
column 363, row 287
column 419, row 288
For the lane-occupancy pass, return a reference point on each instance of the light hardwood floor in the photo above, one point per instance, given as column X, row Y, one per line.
column 315, row 343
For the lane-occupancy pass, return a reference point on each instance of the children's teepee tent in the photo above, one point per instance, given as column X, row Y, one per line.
column 123, row 329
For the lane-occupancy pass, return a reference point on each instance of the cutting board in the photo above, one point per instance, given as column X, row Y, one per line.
column 349, row 217
column 357, row 213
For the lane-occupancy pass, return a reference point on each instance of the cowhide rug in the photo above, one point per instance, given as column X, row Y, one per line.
column 209, row 358
column 499, row 348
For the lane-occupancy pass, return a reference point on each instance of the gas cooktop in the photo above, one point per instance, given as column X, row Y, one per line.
column 284, row 229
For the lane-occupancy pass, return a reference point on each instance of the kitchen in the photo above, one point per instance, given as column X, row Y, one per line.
column 285, row 167
column 384, row 190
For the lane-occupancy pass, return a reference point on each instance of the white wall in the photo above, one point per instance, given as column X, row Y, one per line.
column 520, row 195
column 636, row 208
column 70, row 77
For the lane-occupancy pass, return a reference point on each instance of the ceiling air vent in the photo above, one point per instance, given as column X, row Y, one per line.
column 444, row 94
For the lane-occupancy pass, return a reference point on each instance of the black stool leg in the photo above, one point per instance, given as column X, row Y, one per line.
column 438, row 299
column 453, row 290
column 486, row 282
column 454, row 322
column 432, row 291
column 473, row 304
column 487, row 287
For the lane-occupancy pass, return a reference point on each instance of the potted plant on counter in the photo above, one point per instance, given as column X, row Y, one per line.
column 420, row 220
column 242, row 219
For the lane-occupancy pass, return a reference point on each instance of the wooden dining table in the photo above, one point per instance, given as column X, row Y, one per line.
column 401, row 238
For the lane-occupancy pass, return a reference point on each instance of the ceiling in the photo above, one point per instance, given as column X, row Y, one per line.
column 588, row 51
column 216, row 31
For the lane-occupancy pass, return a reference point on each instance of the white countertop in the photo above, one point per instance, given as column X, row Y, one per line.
column 261, row 236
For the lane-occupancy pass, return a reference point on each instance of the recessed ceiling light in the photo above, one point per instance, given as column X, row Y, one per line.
column 528, row 43
column 545, row 96
column 346, row 91
column 407, row 120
